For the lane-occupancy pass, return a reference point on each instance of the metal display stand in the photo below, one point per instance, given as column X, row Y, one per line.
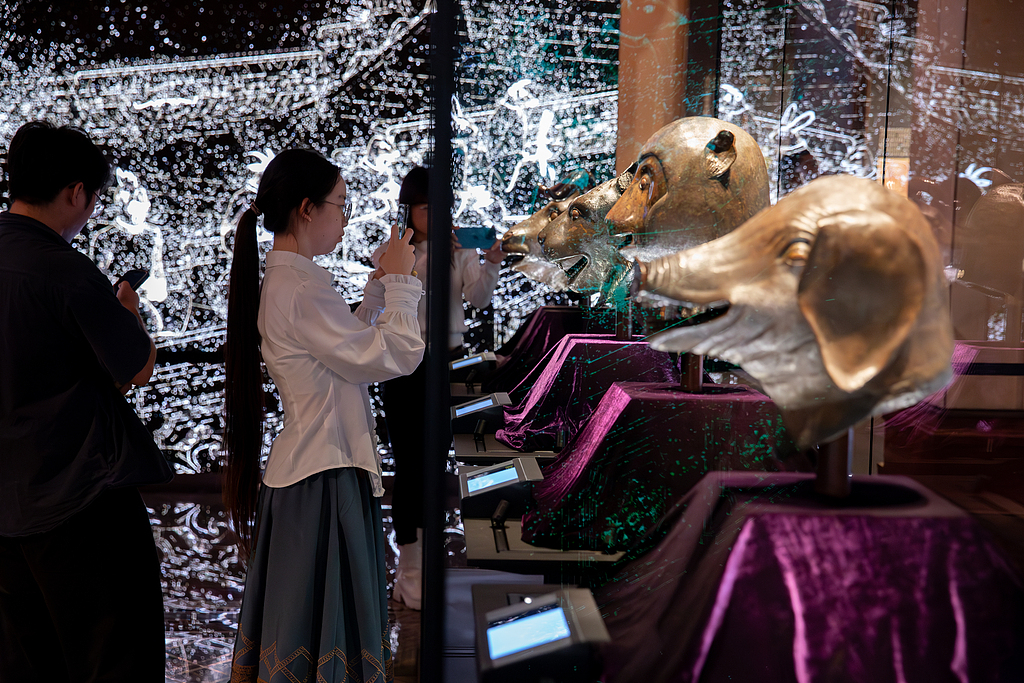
column 580, row 567
column 484, row 449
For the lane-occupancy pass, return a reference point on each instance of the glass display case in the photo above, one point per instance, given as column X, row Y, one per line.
column 921, row 97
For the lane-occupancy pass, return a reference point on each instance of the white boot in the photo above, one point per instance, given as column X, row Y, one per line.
column 408, row 577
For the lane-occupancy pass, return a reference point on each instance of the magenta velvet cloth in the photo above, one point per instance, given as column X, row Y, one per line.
column 536, row 336
column 771, row 584
column 644, row 446
column 561, row 392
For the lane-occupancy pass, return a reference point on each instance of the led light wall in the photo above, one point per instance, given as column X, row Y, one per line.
column 191, row 101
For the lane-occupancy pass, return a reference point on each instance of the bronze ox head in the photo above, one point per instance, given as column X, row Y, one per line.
column 834, row 300
column 521, row 238
column 697, row 179
column 580, row 239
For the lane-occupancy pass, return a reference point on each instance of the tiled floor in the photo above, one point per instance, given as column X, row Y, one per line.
column 203, row 582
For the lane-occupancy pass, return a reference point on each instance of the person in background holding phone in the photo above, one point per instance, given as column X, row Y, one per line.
column 80, row 593
column 404, row 397
column 315, row 602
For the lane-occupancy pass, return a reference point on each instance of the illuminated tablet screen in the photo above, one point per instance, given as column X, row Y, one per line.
column 525, row 632
column 485, row 479
column 472, row 360
column 476, row 405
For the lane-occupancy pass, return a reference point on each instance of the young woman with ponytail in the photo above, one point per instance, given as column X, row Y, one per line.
column 315, row 600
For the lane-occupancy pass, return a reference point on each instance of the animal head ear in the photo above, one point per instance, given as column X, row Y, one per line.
column 623, row 181
column 719, row 155
column 861, row 291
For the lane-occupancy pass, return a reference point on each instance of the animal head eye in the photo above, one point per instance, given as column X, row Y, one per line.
column 796, row 253
column 575, row 214
column 553, row 214
column 645, row 182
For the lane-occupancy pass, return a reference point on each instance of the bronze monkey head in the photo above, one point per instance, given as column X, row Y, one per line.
column 697, row 179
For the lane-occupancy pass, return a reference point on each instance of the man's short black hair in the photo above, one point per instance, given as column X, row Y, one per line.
column 43, row 159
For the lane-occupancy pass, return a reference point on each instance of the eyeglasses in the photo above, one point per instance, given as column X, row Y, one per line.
column 99, row 206
column 346, row 208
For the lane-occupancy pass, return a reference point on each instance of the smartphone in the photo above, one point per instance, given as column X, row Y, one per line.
column 134, row 278
column 402, row 220
column 476, row 238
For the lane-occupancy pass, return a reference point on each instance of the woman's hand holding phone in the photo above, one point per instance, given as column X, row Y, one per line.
column 494, row 254
column 399, row 257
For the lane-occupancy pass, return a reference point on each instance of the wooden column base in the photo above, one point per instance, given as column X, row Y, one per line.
column 834, row 462
column 691, row 375
column 624, row 323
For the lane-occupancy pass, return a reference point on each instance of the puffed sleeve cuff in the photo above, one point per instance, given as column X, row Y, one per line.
column 401, row 293
column 403, row 279
column 373, row 294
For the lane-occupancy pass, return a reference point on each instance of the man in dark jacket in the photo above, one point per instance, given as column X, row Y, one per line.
column 80, row 594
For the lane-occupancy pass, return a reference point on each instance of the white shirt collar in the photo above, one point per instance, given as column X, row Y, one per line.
column 278, row 257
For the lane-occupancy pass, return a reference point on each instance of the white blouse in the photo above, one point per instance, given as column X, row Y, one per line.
column 321, row 356
column 470, row 279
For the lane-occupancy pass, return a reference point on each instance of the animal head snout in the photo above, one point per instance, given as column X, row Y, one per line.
column 513, row 243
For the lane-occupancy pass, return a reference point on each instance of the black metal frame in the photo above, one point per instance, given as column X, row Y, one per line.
column 437, row 437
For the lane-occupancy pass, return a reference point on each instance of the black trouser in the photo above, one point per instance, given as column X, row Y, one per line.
column 83, row 602
column 404, row 401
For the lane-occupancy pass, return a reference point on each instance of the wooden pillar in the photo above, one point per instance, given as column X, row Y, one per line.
column 652, row 72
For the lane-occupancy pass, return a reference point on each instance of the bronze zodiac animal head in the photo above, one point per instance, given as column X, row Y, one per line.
column 521, row 238
column 697, row 179
column 580, row 238
column 834, row 300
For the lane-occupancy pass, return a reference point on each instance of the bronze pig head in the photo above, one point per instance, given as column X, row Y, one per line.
column 580, row 239
column 834, row 300
column 697, row 179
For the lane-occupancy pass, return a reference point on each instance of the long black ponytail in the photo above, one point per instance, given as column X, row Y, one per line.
column 293, row 175
column 243, row 384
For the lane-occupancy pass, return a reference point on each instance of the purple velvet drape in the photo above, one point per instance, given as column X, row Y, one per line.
column 535, row 337
column 766, row 582
column 644, row 446
column 562, row 390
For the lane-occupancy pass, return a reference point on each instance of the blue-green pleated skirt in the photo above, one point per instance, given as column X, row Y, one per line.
column 315, row 602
